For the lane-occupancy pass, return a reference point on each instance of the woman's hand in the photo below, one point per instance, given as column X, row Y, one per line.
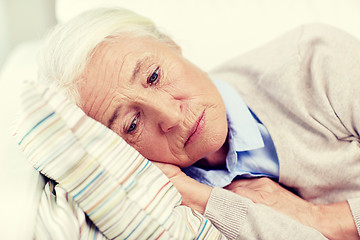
column 270, row 193
column 334, row 221
column 194, row 194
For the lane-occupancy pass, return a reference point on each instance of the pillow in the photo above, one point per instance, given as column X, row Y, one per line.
column 120, row 191
column 21, row 185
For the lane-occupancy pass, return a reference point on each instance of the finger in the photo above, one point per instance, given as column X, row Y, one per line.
column 247, row 182
column 256, row 196
column 247, row 193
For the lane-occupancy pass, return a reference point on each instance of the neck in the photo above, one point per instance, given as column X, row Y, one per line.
column 216, row 159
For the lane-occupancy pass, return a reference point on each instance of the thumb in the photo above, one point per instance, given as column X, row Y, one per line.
column 169, row 170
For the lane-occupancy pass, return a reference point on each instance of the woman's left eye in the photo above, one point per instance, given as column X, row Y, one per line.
column 154, row 77
column 133, row 125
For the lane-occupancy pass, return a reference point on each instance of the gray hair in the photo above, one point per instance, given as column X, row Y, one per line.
column 70, row 46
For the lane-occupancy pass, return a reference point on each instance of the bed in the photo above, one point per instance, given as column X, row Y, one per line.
column 209, row 32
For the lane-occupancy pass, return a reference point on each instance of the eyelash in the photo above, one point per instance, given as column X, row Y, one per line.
column 156, row 75
column 133, row 125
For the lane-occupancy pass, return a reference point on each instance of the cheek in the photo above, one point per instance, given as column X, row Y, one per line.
column 152, row 147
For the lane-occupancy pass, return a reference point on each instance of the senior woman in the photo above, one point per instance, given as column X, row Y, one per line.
column 286, row 111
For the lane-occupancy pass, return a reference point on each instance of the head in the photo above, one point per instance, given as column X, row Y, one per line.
column 124, row 73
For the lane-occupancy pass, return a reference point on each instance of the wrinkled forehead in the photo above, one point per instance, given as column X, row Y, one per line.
column 114, row 51
column 111, row 68
column 123, row 53
column 113, row 59
column 105, row 67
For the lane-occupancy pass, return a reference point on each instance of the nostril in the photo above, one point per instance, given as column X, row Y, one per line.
column 164, row 127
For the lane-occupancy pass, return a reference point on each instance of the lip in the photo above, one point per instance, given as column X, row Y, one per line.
column 197, row 129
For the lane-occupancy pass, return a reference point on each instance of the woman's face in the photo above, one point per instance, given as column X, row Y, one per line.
column 161, row 104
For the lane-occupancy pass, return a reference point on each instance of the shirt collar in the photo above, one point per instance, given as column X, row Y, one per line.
column 244, row 135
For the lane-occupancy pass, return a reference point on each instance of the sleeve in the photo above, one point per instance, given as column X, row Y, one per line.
column 331, row 57
column 122, row 193
column 334, row 64
column 240, row 218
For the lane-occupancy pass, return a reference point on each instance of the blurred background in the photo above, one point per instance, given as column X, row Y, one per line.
column 23, row 20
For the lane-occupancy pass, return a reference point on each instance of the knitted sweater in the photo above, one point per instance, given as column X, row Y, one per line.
column 304, row 87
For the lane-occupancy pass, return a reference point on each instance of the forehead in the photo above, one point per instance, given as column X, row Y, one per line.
column 115, row 51
column 122, row 55
column 111, row 67
column 113, row 56
column 121, row 47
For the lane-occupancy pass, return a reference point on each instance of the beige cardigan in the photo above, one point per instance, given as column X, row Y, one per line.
column 304, row 87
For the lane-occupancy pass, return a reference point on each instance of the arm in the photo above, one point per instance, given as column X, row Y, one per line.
column 335, row 221
column 223, row 208
column 336, row 64
column 235, row 216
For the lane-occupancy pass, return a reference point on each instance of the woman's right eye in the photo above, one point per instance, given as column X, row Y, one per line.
column 154, row 77
column 133, row 125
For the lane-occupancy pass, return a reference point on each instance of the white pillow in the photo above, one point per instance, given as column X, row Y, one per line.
column 21, row 185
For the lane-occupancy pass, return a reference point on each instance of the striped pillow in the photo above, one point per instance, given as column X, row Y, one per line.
column 123, row 194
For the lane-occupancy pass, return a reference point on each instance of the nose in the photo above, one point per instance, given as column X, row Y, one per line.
column 170, row 115
column 169, row 121
column 167, row 113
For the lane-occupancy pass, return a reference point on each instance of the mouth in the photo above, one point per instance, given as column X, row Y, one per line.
column 197, row 129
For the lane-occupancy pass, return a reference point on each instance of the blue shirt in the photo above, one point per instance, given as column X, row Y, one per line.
column 251, row 150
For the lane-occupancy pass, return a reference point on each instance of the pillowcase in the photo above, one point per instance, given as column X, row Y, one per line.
column 122, row 193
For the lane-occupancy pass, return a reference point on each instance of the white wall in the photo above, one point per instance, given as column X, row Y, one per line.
column 4, row 31
column 23, row 20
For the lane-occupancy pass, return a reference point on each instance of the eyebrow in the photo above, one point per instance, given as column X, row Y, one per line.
column 137, row 67
column 114, row 117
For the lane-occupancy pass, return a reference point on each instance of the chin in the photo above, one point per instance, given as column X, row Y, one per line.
column 217, row 156
column 208, row 153
column 206, row 158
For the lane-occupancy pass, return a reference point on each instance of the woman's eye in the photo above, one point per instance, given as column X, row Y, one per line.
column 133, row 125
column 153, row 78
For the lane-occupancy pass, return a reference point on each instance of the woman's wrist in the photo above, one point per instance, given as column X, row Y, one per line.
column 194, row 194
column 335, row 221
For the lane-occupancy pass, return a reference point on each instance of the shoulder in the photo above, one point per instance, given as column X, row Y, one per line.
column 323, row 37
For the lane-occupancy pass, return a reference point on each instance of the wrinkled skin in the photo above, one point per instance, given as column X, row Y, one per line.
column 150, row 95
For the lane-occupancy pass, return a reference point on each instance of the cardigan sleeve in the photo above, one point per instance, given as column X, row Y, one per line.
column 332, row 58
column 335, row 66
column 240, row 218
column 122, row 193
